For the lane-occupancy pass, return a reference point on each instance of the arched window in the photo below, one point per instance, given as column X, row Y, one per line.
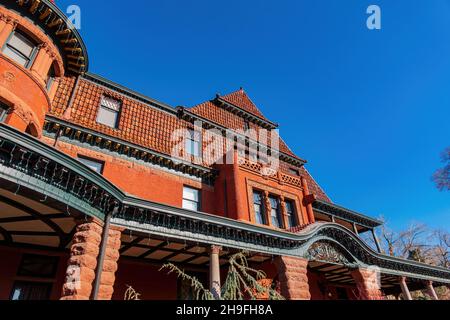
column 3, row 111
column 20, row 48
column 50, row 77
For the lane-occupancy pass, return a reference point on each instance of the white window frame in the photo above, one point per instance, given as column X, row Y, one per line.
column 193, row 141
column 111, row 105
column 191, row 203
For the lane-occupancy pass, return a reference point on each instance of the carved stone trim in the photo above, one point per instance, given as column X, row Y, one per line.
column 326, row 252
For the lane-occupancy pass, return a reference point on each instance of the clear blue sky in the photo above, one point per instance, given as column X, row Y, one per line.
column 369, row 110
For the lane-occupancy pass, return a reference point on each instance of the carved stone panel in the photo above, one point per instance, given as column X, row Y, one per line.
column 326, row 252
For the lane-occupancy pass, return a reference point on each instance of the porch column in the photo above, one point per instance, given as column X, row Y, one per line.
column 405, row 289
column 293, row 277
column 368, row 284
column 110, row 266
column 214, row 272
column 83, row 262
column 431, row 290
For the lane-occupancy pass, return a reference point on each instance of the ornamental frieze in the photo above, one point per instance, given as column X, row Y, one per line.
column 326, row 252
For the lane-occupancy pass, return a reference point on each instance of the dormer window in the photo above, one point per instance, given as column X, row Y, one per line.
column 193, row 143
column 108, row 113
column 246, row 125
column 20, row 48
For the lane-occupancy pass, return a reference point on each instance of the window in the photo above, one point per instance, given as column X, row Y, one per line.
column 108, row 113
column 39, row 267
column 259, row 208
column 193, row 143
column 294, row 172
column 290, row 212
column 253, row 154
column 34, row 291
column 246, row 125
column 50, row 77
column 275, row 212
column 3, row 111
column 191, row 199
column 20, row 48
column 93, row 164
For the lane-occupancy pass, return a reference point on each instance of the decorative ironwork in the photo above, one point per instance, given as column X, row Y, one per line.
column 326, row 252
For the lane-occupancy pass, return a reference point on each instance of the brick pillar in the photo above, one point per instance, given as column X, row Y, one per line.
column 368, row 284
column 292, row 274
column 83, row 260
column 110, row 265
column 82, row 263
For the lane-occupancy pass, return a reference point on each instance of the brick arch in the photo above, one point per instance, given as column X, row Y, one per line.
column 22, row 110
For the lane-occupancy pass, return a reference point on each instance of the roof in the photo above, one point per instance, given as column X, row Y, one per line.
column 144, row 121
column 241, row 99
column 211, row 111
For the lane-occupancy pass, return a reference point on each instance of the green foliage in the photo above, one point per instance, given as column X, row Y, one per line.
column 241, row 281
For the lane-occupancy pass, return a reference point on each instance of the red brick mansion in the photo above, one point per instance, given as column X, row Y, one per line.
column 100, row 186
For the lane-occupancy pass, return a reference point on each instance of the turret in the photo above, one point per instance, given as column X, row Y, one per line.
column 38, row 46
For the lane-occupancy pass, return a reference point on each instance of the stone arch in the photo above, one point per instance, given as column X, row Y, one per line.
column 32, row 130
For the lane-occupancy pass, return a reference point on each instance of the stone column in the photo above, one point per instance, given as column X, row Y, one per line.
column 431, row 290
column 83, row 262
column 293, row 277
column 2, row 21
column 268, row 208
column 214, row 272
column 41, row 65
column 308, row 200
column 405, row 289
column 368, row 283
column 284, row 216
column 8, row 27
column 110, row 265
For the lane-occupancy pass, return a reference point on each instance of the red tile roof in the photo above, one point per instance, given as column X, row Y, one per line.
column 147, row 126
column 209, row 110
column 241, row 99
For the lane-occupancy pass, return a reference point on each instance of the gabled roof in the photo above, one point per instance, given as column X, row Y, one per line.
column 241, row 99
column 211, row 111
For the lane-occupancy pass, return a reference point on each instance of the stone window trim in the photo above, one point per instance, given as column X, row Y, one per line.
column 282, row 195
column 18, row 108
column 32, row 31
column 25, row 38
